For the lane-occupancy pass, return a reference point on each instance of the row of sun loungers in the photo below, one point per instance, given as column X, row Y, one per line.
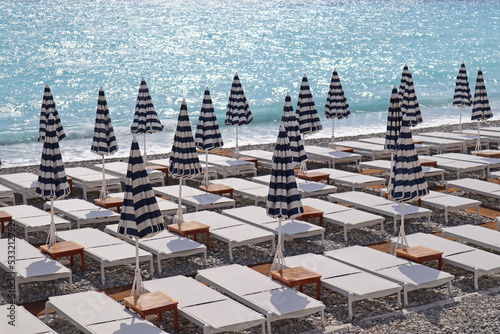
column 489, row 163
column 332, row 157
column 196, row 198
column 475, row 235
column 350, row 179
column 23, row 184
column 421, row 149
column 91, row 180
column 470, row 140
column 119, row 169
column 25, row 322
column 458, row 166
column 385, row 165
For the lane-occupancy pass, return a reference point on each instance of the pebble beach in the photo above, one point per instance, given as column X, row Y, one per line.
column 430, row 310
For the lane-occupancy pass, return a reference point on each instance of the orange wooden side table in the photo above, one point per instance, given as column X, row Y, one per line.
column 420, row 254
column 65, row 248
column 298, row 277
column 315, row 176
column 154, row 303
column 310, row 212
column 163, row 169
column 191, row 228
column 4, row 218
column 218, row 189
column 110, row 202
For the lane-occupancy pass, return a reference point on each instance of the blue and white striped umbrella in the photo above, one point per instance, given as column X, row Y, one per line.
column 309, row 122
column 140, row 216
column 289, row 121
column 49, row 107
column 394, row 118
column 462, row 95
column 238, row 112
column 207, row 136
column 407, row 180
column 336, row 105
column 184, row 162
column 52, row 182
column 403, row 83
column 145, row 118
column 481, row 110
column 104, row 141
column 283, row 199
column 409, row 102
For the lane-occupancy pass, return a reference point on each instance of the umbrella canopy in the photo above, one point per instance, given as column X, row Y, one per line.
column 104, row 141
column 49, row 107
column 408, row 99
column 462, row 97
column 309, row 122
column 207, row 135
column 283, row 199
column 238, row 112
column 145, row 118
column 407, row 180
column 52, row 182
column 481, row 107
column 289, row 121
column 336, row 105
column 394, row 119
column 184, row 162
column 140, row 216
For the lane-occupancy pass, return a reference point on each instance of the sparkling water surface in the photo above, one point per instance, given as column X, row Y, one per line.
column 180, row 47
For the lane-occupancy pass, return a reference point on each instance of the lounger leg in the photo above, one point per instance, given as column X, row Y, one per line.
column 263, row 329
column 323, row 318
column 405, row 296
column 449, row 288
column 322, row 240
column 399, row 299
column 345, row 233
column 395, row 227
column 103, row 279
column 268, row 324
column 151, row 266
column 231, row 251
column 206, row 261
column 70, row 283
column 47, row 308
column 16, row 287
column 158, row 259
column 273, row 247
column 476, row 279
column 446, row 215
column 382, row 227
column 349, row 307
column 25, row 234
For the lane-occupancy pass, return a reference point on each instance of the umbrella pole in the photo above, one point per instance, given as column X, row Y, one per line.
column 179, row 208
column 237, row 149
column 478, row 142
column 460, row 124
column 137, row 286
column 52, row 229
column 104, row 190
column 333, row 136
column 206, row 180
column 145, row 155
column 279, row 259
column 391, row 174
column 402, row 235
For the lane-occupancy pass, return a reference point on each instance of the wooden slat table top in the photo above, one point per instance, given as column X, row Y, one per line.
column 150, row 302
column 293, row 276
column 188, row 227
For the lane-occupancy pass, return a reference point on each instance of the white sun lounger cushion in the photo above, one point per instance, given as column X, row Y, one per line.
column 24, row 321
column 476, row 235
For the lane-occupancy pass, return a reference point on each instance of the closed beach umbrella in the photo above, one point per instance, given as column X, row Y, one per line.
column 207, row 136
column 140, row 216
column 408, row 99
column 394, row 118
column 481, row 107
column 49, row 107
column 309, row 122
column 145, row 118
column 408, row 181
column 336, row 105
column 184, row 162
column 462, row 97
column 289, row 121
column 104, row 141
column 238, row 112
column 283, row 200
column 52, row 182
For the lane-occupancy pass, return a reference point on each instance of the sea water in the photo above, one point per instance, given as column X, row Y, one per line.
column 180, row 47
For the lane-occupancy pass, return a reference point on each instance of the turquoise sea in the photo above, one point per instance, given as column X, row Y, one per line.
column 181, row 46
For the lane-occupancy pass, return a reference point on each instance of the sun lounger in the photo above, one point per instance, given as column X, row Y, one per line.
column 449, row 203
column 91, row 180
column 475, row 235
column 373, row 151
column 274, row 300
column 491, row 133
column 166, row 163
column 30, row 264
column 488, row 189
column 93, row 312
column 7, row 195
column 33, row 219
column 441, row 145
column 229, row 166
column 105, row 249
column 468, row 258
column 291, row 229
column 231, row 231
column 457, row 166
column 306, row 188
column 317, row 153
column 23, row 322
column 380, row 205
column 265, row 157
column 196, row 198
column 385, row 165
column 206, row 307
column 343, row 216
column 345, row 279
column 165, row 245
column 21, row 183
column 490, row 163
column 166, row 207
column 470, row 140
column 354, row 180
column 119, row 169
column 253, row 190
column 83, row 212
column 421, row 149
column 409, row 275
